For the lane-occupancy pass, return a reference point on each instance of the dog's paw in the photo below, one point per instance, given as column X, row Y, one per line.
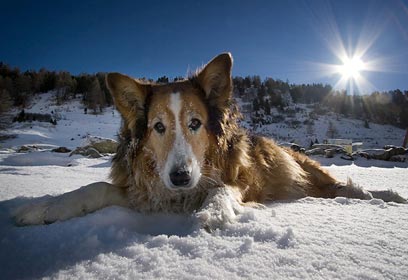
column 220, row 208
column 212, row 220
column 49, row 210
column 33, row 214
column 77, row 203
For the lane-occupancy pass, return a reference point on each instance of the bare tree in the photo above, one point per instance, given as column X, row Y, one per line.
column 331, row 131
column 5, row 101
column 64, row 85
column 23, row 90
column 96, row 98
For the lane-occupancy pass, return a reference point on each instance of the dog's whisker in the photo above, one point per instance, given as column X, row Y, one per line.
column 208, row 182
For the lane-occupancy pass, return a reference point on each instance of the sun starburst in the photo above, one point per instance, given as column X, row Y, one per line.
column 355, row 55
column 351, row 67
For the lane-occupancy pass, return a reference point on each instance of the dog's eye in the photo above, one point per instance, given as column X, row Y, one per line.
column 195, row 124
column 159, row 127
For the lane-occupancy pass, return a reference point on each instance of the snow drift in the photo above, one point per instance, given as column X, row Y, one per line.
column 308, row 238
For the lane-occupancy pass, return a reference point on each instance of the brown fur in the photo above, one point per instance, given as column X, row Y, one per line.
column 255, row 166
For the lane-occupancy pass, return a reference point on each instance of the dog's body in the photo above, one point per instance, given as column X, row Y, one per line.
column 181, row 150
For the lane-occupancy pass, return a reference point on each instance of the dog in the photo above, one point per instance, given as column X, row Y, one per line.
column 181, row 150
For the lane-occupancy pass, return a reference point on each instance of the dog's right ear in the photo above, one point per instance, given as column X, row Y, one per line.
column 129, row 96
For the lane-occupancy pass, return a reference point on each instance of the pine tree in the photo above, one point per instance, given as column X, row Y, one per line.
column 256, row 81
column 255, row 105
column 267, row 107
column 366, row 124
column 178, row 78
column 163, row 80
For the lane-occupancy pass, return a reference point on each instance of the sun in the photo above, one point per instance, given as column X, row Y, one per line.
column 351, row 68
column 350, row 72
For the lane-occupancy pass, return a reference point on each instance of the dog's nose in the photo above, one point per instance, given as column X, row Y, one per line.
column 180, row 177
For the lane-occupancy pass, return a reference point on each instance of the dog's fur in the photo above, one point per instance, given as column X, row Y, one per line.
column 181, row 150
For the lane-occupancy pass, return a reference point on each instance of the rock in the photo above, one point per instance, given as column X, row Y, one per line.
column 346, row 157
column 61, row 150
column 327, row 150
column 295, row 147
column 23, row 149
column 103, row 145
column 7, row 136
column 391, row 154
column 398, row 158
column 93, row 153
column 86, row 151
column 399, row 148
column 329, row 153
column 315, row 151
column 26, row 149
column 95, row 147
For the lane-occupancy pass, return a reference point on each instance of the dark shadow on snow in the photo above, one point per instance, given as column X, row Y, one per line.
column 13, row 171
column 38, row 158
column 359, row 161
column 37, row 251
column 105, row 164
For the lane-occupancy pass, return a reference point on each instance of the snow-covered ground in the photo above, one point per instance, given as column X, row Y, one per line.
column 306, row 239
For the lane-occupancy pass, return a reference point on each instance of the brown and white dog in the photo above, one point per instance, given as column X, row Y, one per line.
column 181, row 150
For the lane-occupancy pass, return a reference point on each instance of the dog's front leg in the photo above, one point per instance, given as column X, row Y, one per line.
column 77, row 203
column 221, row 206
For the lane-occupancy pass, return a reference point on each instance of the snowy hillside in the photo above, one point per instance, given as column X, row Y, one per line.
column 295, row 125
column 305, row 239
column 72, row 128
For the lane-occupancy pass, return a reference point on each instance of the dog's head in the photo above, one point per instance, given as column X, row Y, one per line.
column 175, row 123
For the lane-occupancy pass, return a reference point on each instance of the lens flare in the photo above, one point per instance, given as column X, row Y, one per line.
column 351, row 67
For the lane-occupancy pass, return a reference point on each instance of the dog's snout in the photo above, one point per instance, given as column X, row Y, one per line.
column 180, row 177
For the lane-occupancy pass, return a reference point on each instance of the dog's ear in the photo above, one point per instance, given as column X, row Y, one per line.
column 129, row 96
column 215, row 79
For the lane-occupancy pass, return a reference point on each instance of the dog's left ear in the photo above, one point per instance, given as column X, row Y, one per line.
column 215, row 79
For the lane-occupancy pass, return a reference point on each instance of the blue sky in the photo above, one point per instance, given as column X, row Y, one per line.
column 291, row 40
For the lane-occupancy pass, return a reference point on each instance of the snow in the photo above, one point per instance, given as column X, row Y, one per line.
column 309, row 238
column 72, row 129
column 346, row 128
